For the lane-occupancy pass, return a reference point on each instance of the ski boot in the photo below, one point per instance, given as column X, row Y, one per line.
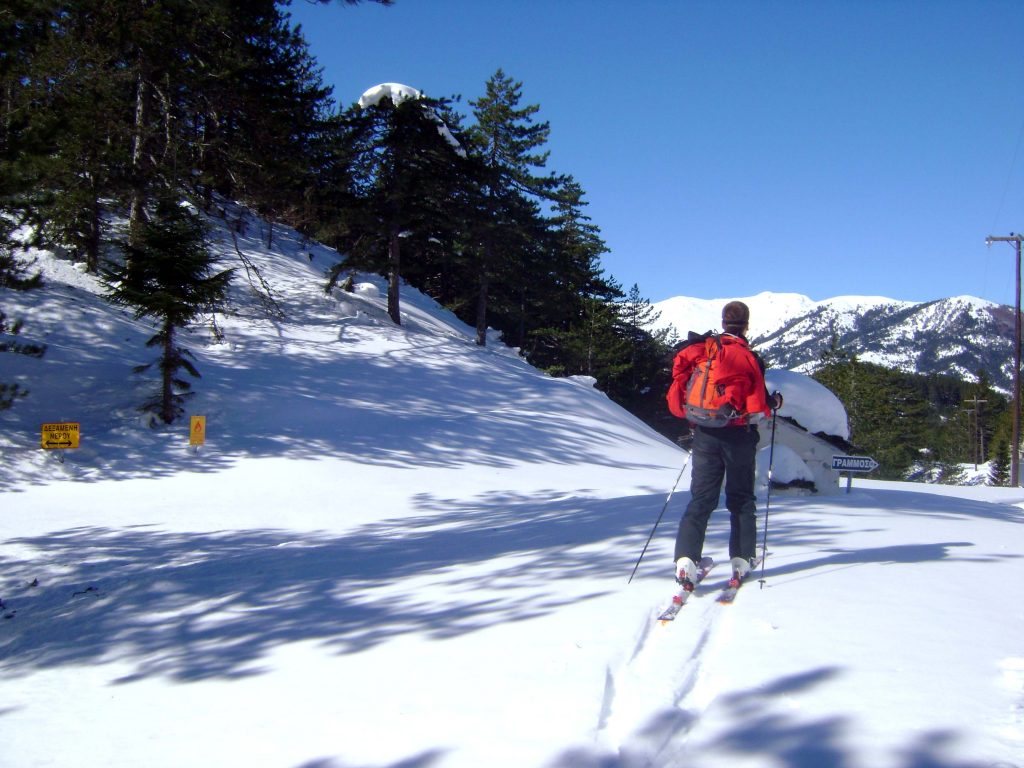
column 741, row 568
column 686, row 573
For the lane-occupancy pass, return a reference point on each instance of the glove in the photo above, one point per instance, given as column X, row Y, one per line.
column 776, row 400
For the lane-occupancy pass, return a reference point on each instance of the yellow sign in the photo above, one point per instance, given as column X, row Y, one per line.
column 63, row 435
column 197, row 433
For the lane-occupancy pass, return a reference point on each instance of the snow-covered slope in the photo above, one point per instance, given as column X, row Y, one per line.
column 400, row 549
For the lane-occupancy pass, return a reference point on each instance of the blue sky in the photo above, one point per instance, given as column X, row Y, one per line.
column 728, row 147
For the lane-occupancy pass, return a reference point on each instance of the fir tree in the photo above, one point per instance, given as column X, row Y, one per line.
column 577, row 328
column 168, row 276
column 594, row 346
column 508, row 142
column 13, row 277
column 834, row 353
column 406, row 168
column 22, row 29
column 951, row 473
column 999, row 474
column 63, row 100
column 106, row 102
column 646, row 344
column 269, row 119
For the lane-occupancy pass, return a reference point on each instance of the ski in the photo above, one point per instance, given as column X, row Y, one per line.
column 679, row 600
column 728, row 593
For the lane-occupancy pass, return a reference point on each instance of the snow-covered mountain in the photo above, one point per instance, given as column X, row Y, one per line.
column 955, row 336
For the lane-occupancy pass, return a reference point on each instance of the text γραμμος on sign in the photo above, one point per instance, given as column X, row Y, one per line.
column 854, row 463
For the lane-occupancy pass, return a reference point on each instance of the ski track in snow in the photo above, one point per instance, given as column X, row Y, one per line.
column 1012, row 678
column 660, row 693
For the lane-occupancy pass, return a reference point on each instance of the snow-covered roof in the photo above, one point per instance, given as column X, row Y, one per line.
column 810, row 404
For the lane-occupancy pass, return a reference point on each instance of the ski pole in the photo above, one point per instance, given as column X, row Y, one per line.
column 686, row 463
column 768, row 500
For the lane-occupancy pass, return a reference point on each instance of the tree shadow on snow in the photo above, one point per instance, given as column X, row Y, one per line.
column 429, row 402
column 811, row 533
column 424, row 760
column 766, row 731
column 192, row 606
column 929, row 505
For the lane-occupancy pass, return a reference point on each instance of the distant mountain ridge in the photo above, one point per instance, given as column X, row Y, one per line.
column 956, row 336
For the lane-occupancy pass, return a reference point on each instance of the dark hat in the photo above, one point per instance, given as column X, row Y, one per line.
column 735, row 314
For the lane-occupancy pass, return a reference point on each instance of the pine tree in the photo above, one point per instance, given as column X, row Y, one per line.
column 168, row 276
column 266, row 129
column 999, row 474
column 22, row 28
column 406, row 167
column 594, row 346
column 951, row 473
column 834, row 354
column 507, row 141
column 576, row 325
column 106, row 102
column 647, row 345
column 13, row 277
column 64, row 96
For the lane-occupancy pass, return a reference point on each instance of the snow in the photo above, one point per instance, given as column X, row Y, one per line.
column 812, row 405
column 366, row 290
column 395, row 92
column 768, row 311
column 786, row 465
column 398, row 93
column 400, row 549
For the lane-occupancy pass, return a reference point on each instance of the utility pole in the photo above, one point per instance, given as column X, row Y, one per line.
column 1015, row 463
column 979, row 441
column 970, row 435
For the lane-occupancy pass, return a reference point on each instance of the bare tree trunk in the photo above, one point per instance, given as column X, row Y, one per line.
column 138, row 196
column 167, row 375
column 481, row 302
column 7, row 113
column 394, row 275
column 92, row 245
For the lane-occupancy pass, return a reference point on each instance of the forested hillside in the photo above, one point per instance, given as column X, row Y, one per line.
column 921, row 427
column 112, row 109
column 123, row 124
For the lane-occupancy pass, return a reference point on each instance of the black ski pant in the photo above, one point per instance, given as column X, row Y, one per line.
column 728, row 453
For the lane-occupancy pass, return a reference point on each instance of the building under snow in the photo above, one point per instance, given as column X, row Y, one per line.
column 812, row 427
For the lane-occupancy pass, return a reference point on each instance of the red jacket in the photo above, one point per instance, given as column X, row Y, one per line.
column 740, row 370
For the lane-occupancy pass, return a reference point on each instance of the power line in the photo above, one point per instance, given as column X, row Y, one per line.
column 1009, row 177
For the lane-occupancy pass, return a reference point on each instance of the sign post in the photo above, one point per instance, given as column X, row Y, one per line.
column 60, row 436
column 197, row 432
column 851, row 464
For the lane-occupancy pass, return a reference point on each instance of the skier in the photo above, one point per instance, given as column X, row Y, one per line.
column 727, row 452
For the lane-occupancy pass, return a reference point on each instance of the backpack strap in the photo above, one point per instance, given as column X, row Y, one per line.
column 713, row 345
column 712, row 351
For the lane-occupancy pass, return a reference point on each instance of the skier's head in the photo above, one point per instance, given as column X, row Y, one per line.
column 735, row 317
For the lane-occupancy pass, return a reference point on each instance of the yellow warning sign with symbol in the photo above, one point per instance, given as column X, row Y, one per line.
column 63, row 435
column 197, row 431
